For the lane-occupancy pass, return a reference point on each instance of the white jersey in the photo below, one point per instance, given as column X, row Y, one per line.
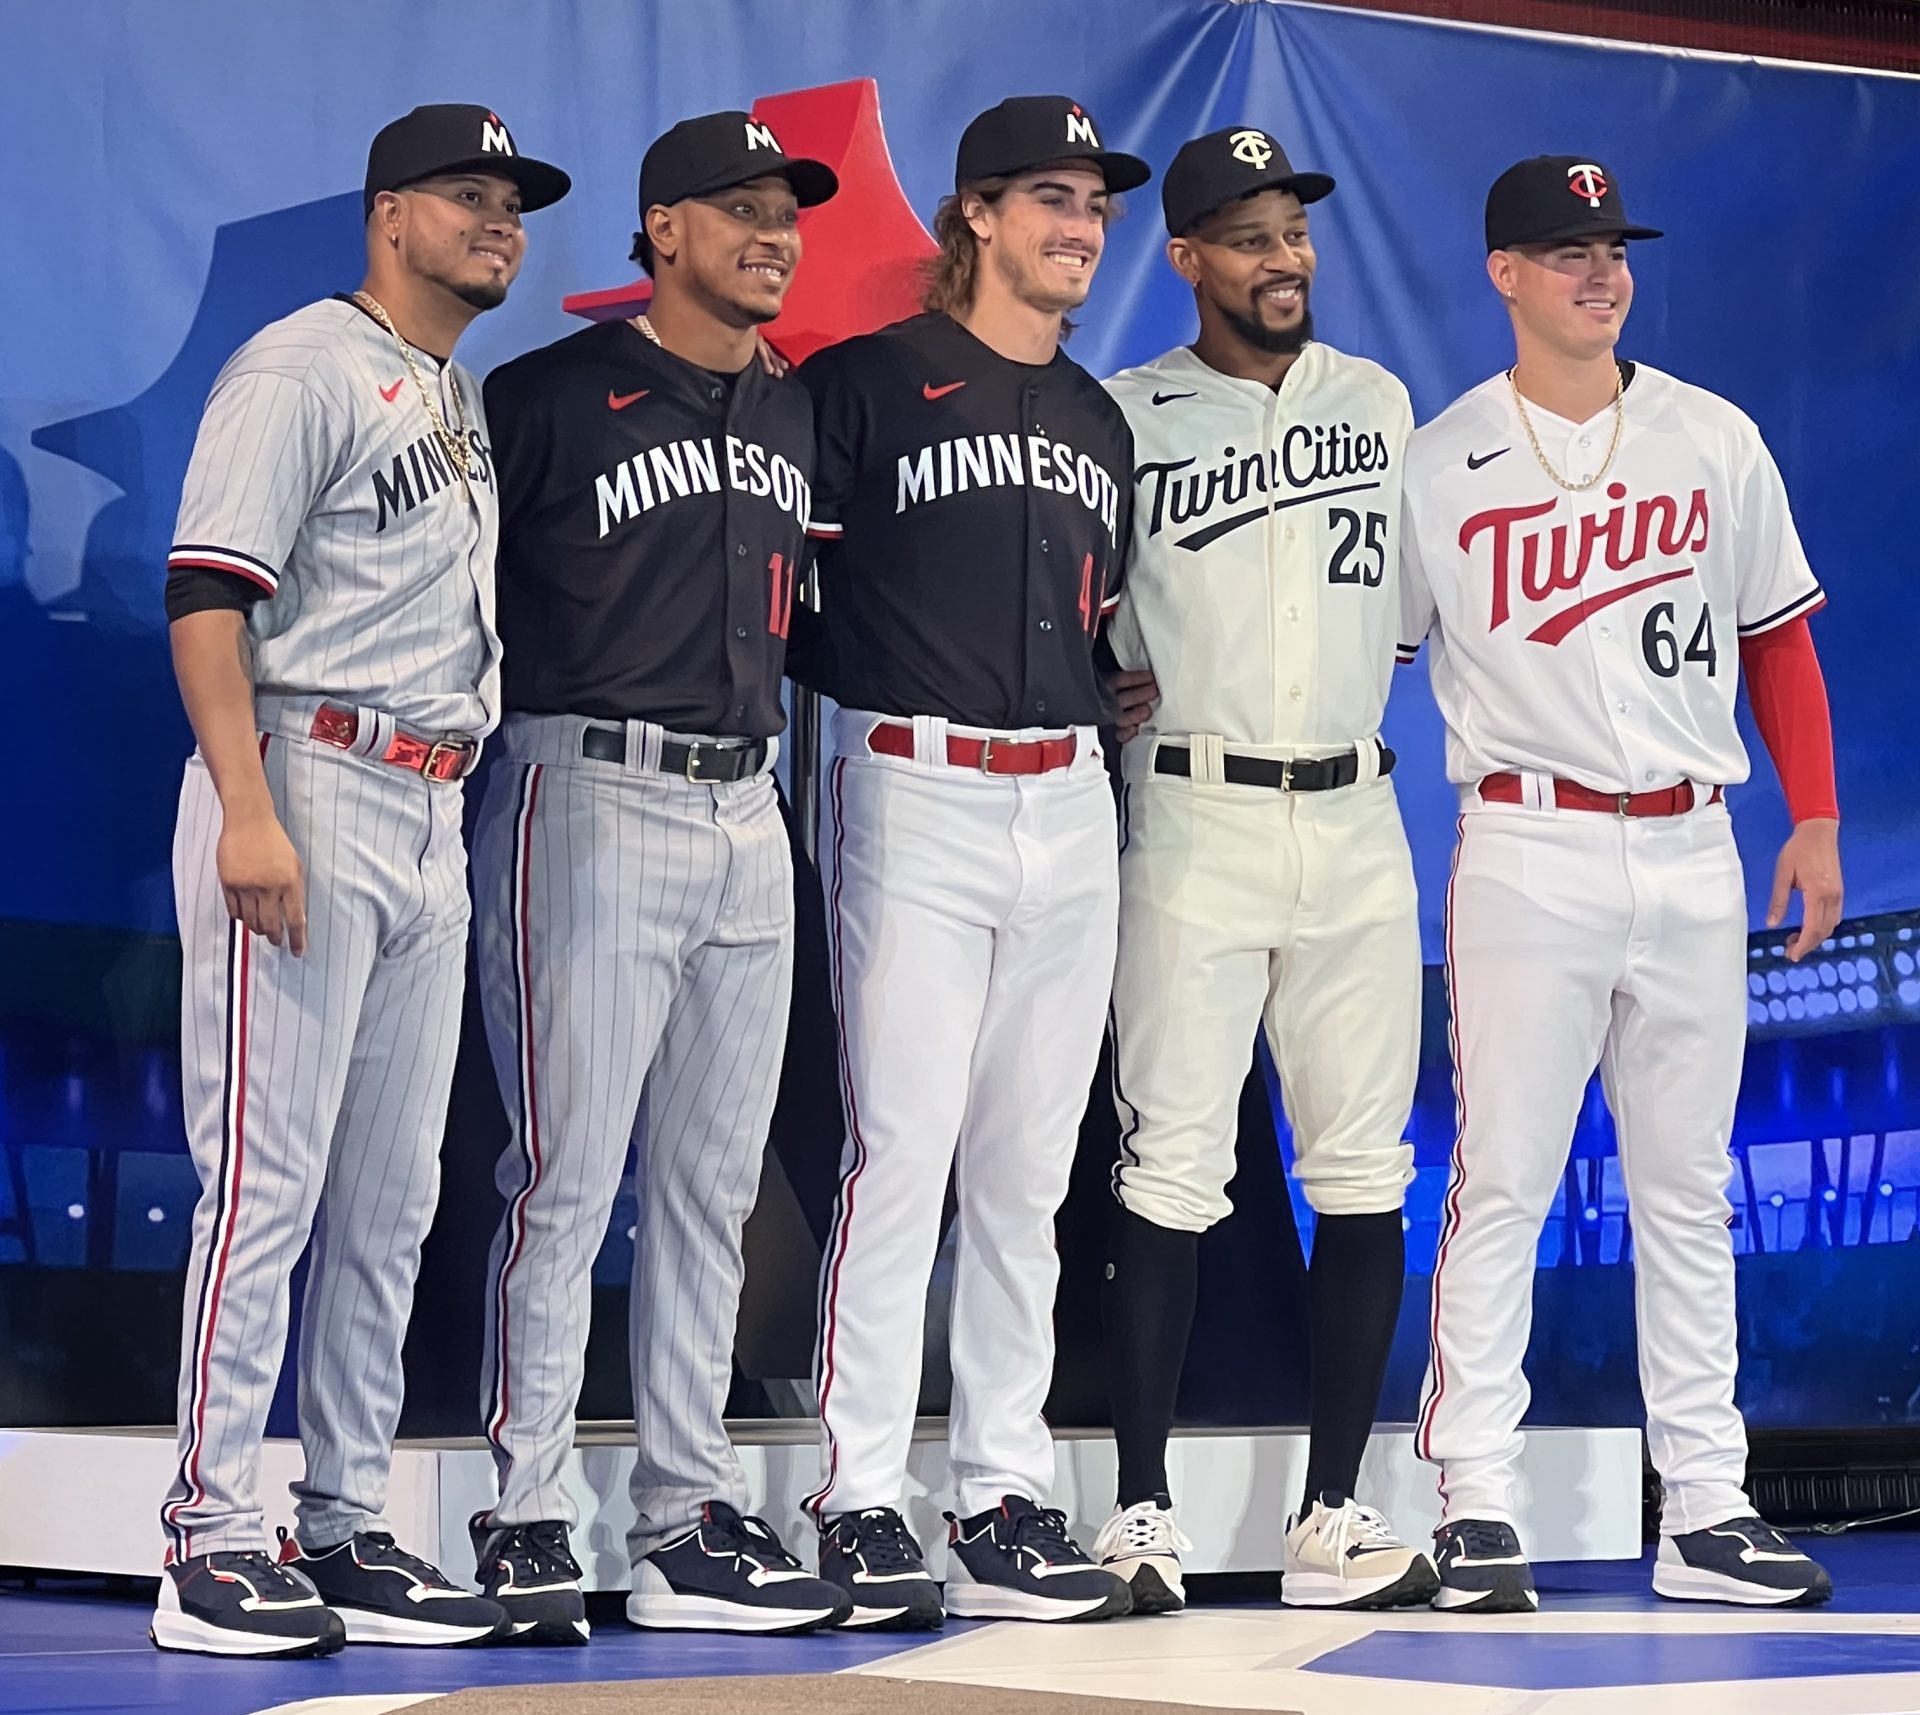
column 1261, row 589
column 1595, row 636
column 318, row 477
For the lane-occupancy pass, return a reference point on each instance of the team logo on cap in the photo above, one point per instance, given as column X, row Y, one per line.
column 1587, row 181
column 1080, row 127
column 493, row 137
column 761, row 136
column 1253, row 147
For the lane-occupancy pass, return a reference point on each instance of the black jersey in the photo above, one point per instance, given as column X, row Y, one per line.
column 651, row 518
column 972, row 517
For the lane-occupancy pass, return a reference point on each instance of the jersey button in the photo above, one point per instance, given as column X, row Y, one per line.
column 1046, row 625
column 1623, row 706
column 741, row 549
column 1605, row 633
column 1043, row 546
column 739, row 631
column 1293, row 613
column 716, row 395
column 1294, row 693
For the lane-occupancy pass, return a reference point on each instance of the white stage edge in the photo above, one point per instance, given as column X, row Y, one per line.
column 88, row 1501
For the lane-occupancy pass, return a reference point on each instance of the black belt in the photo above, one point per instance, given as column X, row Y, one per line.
column 1316, row 774
column 705, row 764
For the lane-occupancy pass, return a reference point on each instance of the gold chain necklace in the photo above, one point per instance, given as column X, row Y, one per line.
column 1613, row 446
column 458, row 448
column 646, row 327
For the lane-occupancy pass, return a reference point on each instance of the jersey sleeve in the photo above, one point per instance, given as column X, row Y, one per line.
column 1416, row 590
column 264, row 452
column 521, row 449
column 1116, row 579
column 838, row 439
column 1776, row 582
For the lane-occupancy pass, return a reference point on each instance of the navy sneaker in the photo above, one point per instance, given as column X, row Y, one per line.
column 1482, row 1569
column 873, row 1557
column 529, row 1570
column 1744, row 1560
column 1016, row 1562
column 241, row 1604
column 731, row 1574
column 385, row 1595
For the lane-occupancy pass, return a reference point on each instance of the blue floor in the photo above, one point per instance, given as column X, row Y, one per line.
column 71, row 1649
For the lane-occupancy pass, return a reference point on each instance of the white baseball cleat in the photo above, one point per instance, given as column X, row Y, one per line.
column 1143, row 1545
column 1343, row 1555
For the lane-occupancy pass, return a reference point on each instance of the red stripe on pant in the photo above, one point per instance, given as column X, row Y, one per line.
column 837, row 1240
column 528, row 1129
column 1457, row 1174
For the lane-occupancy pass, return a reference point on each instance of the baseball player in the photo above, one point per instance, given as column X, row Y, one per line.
column 330, row 589
column 634, row 879
column 972, row 504
column 1265, row 878
column 1596, row 550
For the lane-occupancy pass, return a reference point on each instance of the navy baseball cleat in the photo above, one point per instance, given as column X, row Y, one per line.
column 1482, row 1569
column 731, row 1574
column 873, row 1557
column 241, row 1604
column 530, row 1571
column 1016, row 1562
column 385, row 1595
column 1744, row 1560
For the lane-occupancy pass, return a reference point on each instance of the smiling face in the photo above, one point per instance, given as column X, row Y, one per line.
column 1041, row 238
column 1251, row 266
column 734, row 250
column 1571, row 297
column 461, row 231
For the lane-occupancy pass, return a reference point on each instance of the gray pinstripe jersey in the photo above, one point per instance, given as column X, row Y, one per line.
column 316, row 475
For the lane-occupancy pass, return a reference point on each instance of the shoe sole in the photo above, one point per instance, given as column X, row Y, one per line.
column 182, row 1634
column 1508, row 1596
column 542, row 1632
column 994, row 1602
column 910, row 1618
column 1695, row 1584
column 1152, row 1592
column 1413, row 1588
column 368, row 1626
column 655, row 1613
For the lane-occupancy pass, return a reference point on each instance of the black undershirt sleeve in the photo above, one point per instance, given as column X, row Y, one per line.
column 200, row 589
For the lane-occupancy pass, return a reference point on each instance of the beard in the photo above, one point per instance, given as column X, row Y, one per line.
column 483, row 295
column 1275, row 342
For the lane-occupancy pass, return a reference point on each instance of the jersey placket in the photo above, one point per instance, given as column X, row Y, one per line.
column 743, row 602
column 1038, row 565
column 1295, row 662
column 1613, row 670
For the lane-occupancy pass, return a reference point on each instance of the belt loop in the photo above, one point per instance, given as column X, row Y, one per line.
column 1208, row 752
column 1366, row 756
column 1536, row 790
column 643, row 747
column 929, row 741
column 377, row 733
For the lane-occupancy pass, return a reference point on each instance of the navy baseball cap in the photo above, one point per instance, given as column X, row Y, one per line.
column 1552, row 198
column 453, row 137
column 718, row 150
column 1223, row 167
column 1028, row 131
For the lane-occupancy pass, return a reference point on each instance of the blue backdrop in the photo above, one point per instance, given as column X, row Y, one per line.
column 181, row 175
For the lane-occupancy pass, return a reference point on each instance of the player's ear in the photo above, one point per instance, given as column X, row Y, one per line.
column 1500, row 271
column 663, row 231
column 973, row 210
column 383, row 225
column 1185, row 263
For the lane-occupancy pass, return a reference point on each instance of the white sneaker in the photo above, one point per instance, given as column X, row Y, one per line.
column 1346, row 1556
column 1143, row 1545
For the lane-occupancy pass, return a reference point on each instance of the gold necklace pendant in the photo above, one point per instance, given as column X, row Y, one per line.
column 1539, row 453
column 458, row 448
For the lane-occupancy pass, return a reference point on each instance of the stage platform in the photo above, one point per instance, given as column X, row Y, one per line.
column 88, row 1501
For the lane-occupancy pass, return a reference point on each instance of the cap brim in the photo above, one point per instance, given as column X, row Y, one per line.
column 1308, row 187
column 1121, row 172
column 1579, row 229
column 814, row 182
column 540, row 185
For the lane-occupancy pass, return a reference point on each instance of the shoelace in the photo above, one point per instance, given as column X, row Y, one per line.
column 271, row 1578
column 884, row 1541
column 1044, row 1532
column 1354, row 1526
column 1142, row 1529
column 1763, row 1535
column 1483, row 1540
column 544, row 1546
column 387, row 1552
column 752, row 1539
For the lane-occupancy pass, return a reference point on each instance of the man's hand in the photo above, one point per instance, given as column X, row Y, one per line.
column 1810, row 862
column 772, row 359
column 1136, row 692
column 261, row 878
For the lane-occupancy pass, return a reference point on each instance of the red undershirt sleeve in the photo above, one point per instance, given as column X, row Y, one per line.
column 1789, row 698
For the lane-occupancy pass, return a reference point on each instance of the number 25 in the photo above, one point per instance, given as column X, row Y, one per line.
column 1371, row 568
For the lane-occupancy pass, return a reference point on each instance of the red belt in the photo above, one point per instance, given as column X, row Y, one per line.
column 988, row 755
column 1571, row 795
column 437, row 759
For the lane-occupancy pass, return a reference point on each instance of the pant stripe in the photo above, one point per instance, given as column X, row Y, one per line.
column 837, row 1239
column 225, row 1220
column 1456, row 1176
column 527, row 1120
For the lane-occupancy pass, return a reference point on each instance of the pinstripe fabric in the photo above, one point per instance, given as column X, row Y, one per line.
column 636, row 946
column 973, row 924
column 311, row 1084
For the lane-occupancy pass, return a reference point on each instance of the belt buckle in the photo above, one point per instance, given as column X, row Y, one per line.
column 1623, row 804
column 444, row 747
column 1286, row 775
column 986, row 755
column 692, row 769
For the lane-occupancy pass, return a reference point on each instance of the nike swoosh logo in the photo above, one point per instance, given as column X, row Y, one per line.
column 1484, row 458
column 1168, row 398
column 620, row 401
column 932, row 392
column 391, row 393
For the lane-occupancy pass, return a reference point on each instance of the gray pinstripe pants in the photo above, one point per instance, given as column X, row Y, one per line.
column 315, row 1095
column 636, row 939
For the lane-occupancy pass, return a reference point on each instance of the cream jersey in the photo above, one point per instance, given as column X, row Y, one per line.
column 1595, row 635
column 1261, row 589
